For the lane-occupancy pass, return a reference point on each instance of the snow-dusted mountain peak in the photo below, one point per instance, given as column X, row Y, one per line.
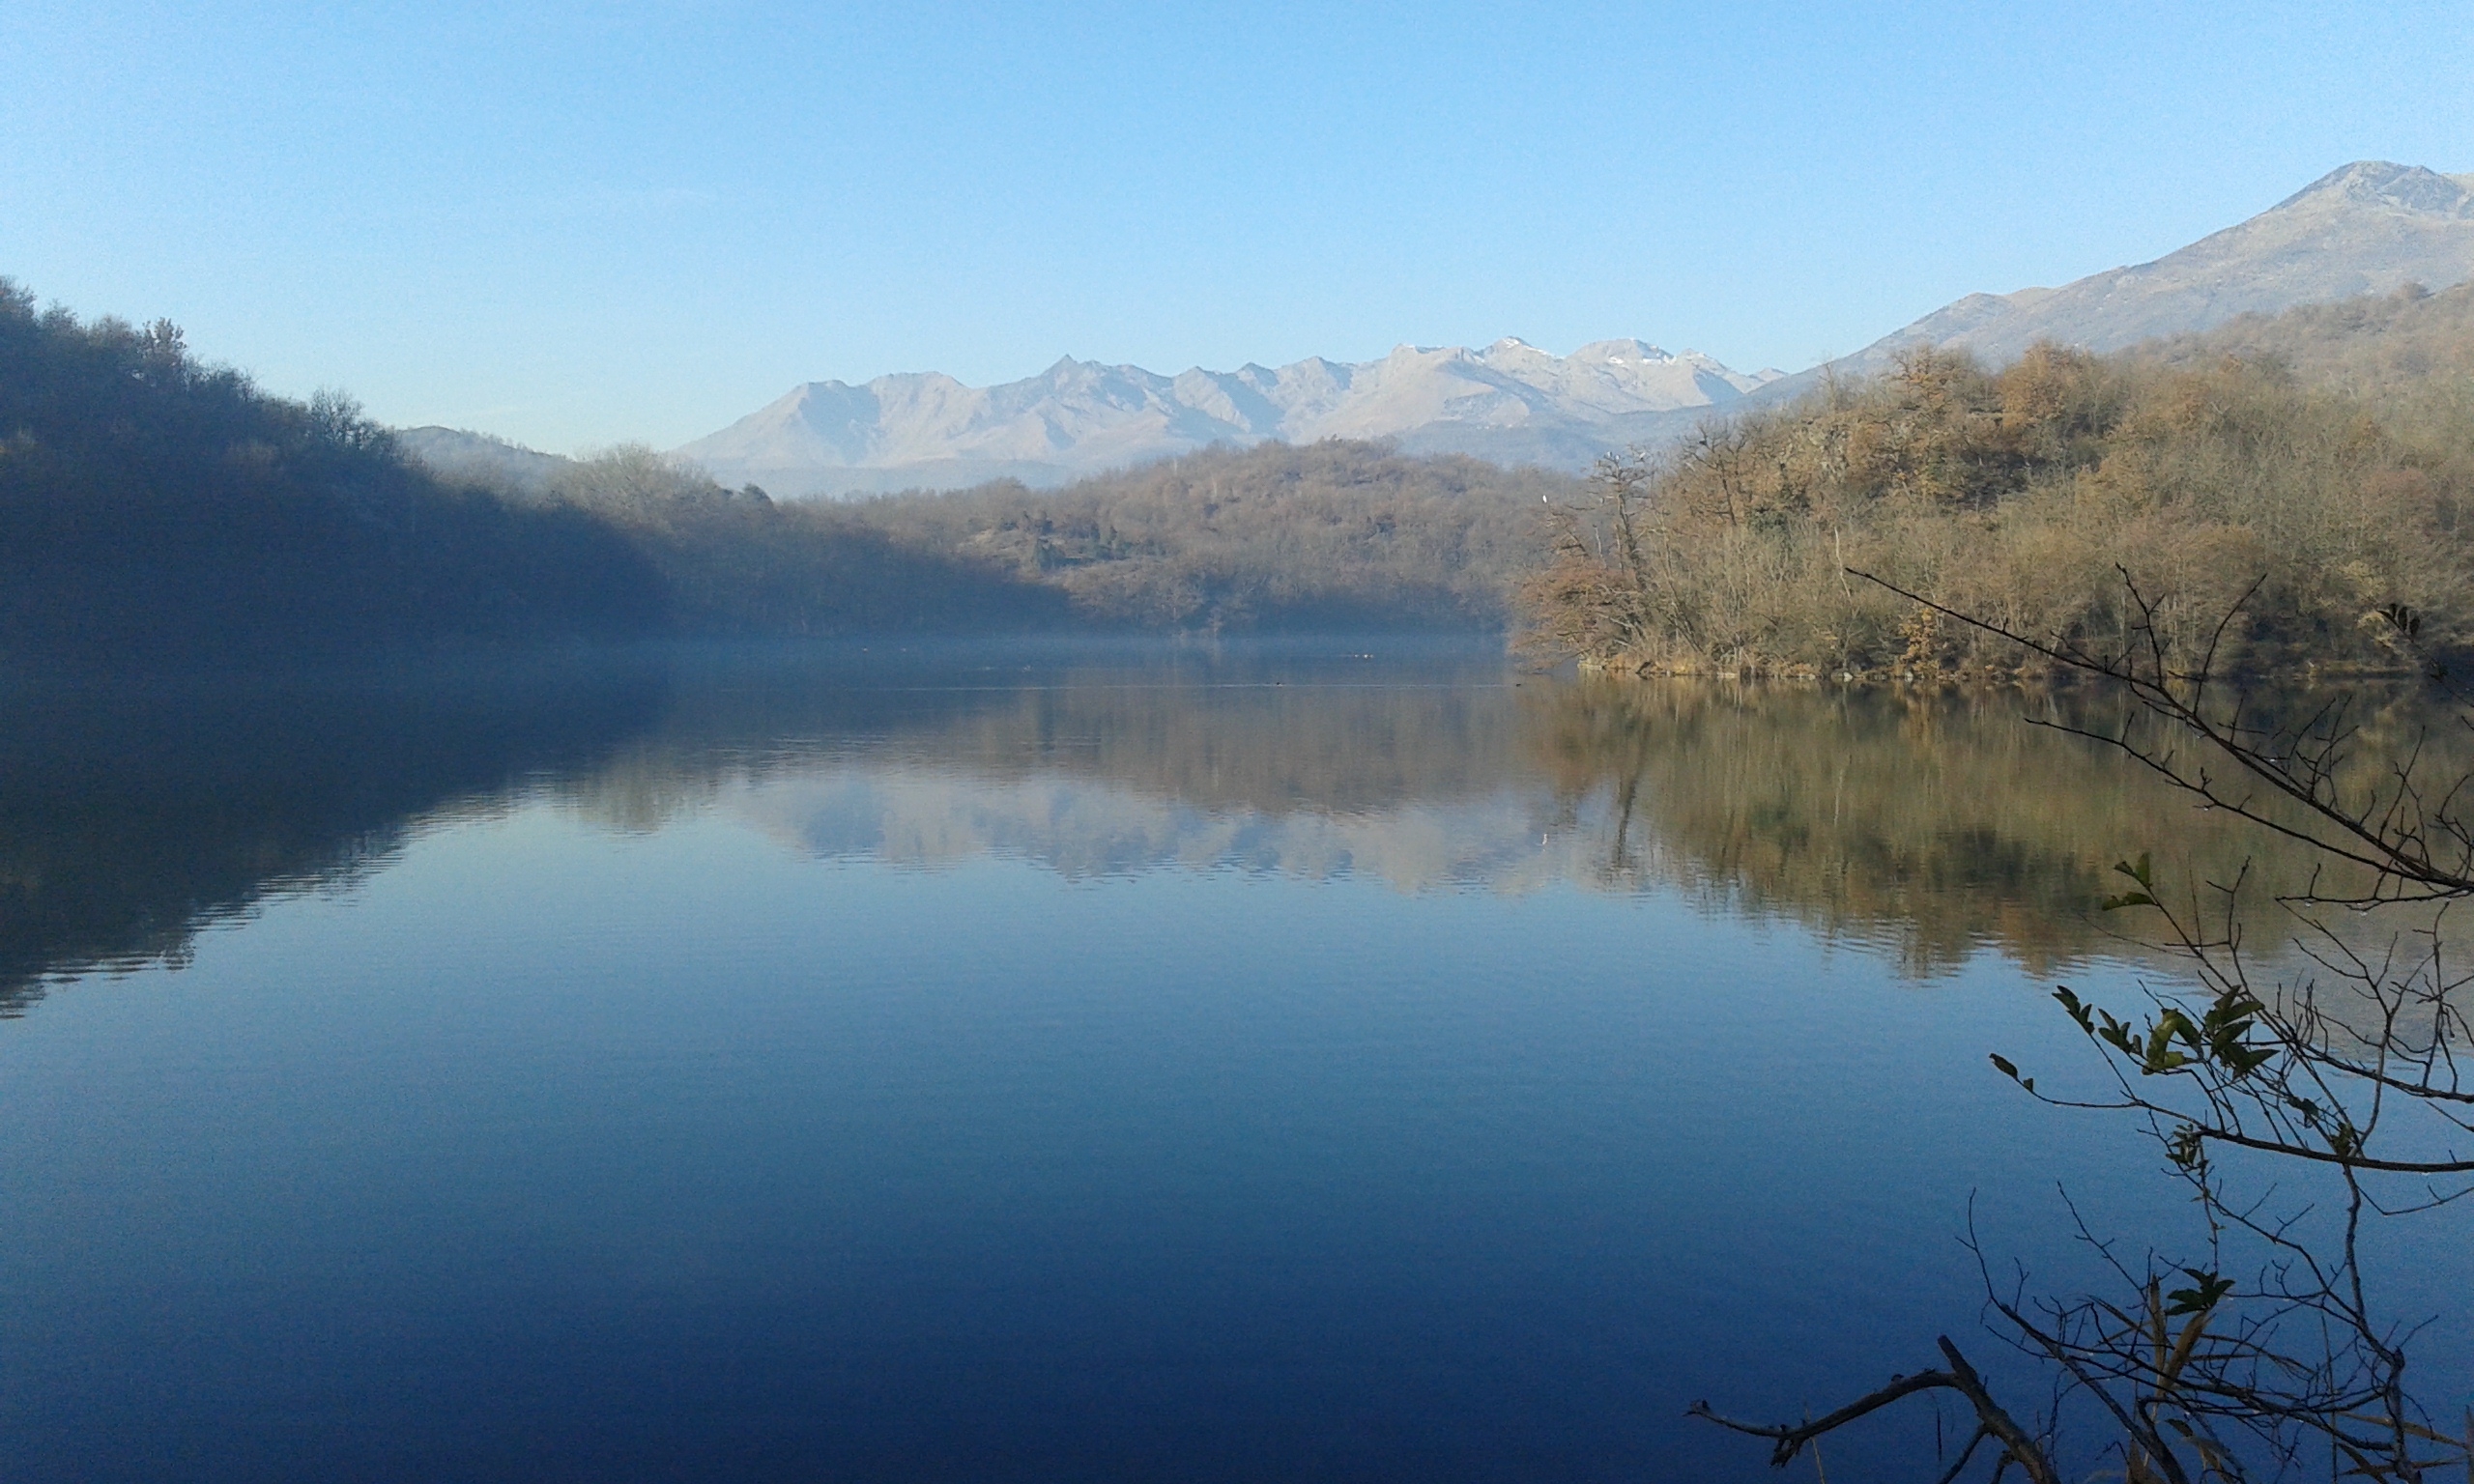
column 1620, row 353
column 1510, row 401
column 2370, row 227
column 2380, row 183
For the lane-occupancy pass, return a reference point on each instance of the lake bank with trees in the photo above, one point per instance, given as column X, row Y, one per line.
column 2046, row 498
column 157, row 511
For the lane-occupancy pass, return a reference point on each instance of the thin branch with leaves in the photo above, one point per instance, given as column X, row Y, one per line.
column 2299, row 1113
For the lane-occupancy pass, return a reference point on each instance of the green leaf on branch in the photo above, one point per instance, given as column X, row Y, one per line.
column 2160, row 1056
column 2077, row 1008
column 2145, row 875
column 2153, row 1052
column 2010, row 1069
column 2208, row 1288
column 2225, row 1033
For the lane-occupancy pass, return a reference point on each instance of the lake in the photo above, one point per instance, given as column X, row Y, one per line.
column 1308, row 1060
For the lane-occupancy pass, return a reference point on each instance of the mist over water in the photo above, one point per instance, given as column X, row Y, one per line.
column 1325, row 1059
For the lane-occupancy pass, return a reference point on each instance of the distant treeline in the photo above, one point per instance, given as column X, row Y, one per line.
column 1332, row 533
column 737, row 562
column 2200, row 468
column 157, row 510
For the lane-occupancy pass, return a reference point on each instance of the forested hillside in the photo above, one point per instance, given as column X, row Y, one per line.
column 2022, row 497
column 1327, row 534
column 1330, row 535
column 154, row 508
column 158, row 510
column 737, row 562
column 2390, row 349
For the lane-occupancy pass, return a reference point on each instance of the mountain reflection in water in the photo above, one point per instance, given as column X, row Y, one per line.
column 1933, row 825
column 1087, row 1061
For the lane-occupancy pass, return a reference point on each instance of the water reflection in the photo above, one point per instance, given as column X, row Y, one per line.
column 1938, row 823
column 1931, row 825
column 132, row 817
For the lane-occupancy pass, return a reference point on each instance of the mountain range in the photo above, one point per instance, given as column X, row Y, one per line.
column 1509, row 402
column 2368, row 227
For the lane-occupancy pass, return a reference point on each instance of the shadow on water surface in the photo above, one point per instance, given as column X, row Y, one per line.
column 133, row 816
column 1931, row 826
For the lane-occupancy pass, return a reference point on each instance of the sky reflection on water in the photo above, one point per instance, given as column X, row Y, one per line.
column 1168, row 1066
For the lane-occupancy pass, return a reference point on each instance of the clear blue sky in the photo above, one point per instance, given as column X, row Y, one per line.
column 573, row 225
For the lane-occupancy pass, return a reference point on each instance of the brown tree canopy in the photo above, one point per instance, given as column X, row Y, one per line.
column 2021, row 495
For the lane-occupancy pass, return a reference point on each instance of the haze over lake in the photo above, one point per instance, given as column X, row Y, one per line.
column 1318, row 1059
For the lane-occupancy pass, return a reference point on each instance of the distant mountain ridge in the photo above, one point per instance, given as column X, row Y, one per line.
column 2371, row 227
column 2368, row 228
column 1510, row 401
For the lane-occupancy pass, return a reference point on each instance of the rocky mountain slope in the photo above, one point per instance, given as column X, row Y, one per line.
column 1509, row 402
column 2372, row 227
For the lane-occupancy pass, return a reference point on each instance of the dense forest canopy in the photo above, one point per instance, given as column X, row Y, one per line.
column 1333, row 534
column 2022, row 496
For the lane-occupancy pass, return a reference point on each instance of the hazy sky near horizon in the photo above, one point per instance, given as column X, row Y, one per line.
column 577, row 223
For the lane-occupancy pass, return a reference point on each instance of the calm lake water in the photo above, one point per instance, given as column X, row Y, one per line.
column 1315, row 1060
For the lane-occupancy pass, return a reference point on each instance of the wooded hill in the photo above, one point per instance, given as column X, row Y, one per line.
column 2325, row 455
column 1332, row 533
column 2388, row 349
column 160, row 511
column 155, row 509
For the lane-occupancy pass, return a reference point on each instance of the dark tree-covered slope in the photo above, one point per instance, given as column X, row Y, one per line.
column 156, row 509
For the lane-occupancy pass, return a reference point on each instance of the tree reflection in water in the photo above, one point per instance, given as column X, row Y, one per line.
column 1934, row 824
